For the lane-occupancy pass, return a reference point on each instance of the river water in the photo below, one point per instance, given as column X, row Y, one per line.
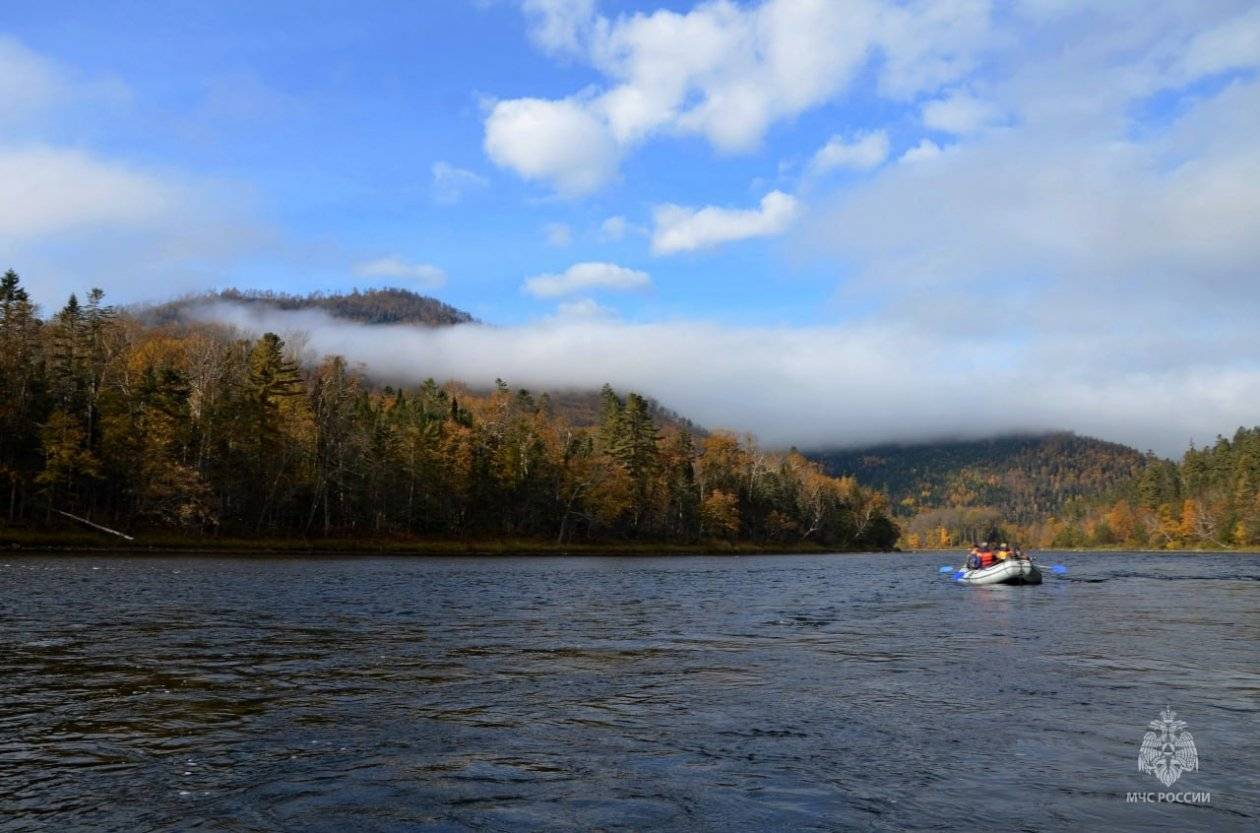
column 686, row 693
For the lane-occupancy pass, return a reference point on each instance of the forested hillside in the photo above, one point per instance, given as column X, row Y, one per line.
column 948, row 493
column 1210, row 499
column 194, row 427
column 373, row 306
column 1065, row 491
column 1025, row 478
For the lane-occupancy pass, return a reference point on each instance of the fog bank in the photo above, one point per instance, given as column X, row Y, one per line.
column 809, row 387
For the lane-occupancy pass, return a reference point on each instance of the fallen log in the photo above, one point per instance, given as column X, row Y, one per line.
column 122, row 535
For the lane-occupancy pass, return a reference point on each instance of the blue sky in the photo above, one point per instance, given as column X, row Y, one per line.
column 327, row 119
column 997, row 194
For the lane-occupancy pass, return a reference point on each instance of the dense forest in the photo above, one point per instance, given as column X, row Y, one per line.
column 1062, row 490
column 1210, row 499
column 142, row 424
column 1025, row 478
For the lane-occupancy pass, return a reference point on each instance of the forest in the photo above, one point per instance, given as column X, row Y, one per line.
column 1209, row 500
column 1060, row 490
column 1024, row 479
column 156, row 423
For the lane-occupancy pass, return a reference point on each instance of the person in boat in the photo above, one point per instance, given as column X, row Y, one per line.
column 1004, row 552
column 983, row 557
column 973, row 557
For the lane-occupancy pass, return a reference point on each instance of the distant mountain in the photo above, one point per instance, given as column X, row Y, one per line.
column 371, row 306
column 1023, row 479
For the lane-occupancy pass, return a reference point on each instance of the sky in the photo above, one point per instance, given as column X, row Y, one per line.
column 824, row 221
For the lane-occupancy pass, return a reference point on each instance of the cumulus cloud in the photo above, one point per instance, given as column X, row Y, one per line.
column 450, row 183
column 860, row 153
column 424, row 275
column 684, row 229
column 817, row 386
column 722, row 71
column 582, row 277
column 560, row 142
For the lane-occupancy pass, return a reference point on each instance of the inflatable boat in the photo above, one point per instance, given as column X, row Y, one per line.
column 1010, row 571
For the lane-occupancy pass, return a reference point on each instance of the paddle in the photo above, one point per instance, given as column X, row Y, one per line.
column 1057, row 569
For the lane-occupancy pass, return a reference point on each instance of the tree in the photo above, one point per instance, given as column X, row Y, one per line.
column 21, row 392
column 719, row 514
column 272, row 382
column 69, row 463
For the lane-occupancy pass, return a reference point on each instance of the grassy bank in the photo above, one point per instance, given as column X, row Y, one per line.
column 65, row 541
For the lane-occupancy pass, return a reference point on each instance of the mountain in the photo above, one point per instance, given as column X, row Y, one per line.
column 970, row 486
column 370, row 306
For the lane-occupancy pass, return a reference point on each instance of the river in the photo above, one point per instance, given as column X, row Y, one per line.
column 849, row 692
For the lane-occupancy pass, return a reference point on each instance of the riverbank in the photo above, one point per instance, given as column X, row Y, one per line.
column 88, row 542
column 1110, row 549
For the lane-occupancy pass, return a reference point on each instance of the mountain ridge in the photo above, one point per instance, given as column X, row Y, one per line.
column 378, row 306
column 971, row 486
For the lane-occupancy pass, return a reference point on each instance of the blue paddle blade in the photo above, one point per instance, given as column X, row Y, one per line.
column 947, row 568
column 958, row 575
column 1058, row 569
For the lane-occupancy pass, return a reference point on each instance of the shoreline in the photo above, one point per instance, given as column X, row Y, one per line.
column 27, row 542
column 90, row 544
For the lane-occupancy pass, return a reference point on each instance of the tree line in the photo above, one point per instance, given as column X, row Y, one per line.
column 197, row 428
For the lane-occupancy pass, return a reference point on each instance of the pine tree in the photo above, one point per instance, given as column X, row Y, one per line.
column 21, row 393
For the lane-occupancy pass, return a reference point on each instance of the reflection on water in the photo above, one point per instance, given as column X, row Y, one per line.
column 777, row 693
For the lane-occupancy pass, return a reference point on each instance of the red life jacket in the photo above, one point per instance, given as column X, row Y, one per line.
column 986, row 560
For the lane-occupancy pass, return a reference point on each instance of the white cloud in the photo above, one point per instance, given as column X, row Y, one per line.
column 559, row 26
column 582, row 308
column 723, row 71
column 52, row 191
column 959, row 113
column 928, row 44
column 450, row 183
column 581, row 277
column 1231, row 44
column 861, row 153
column 613, row 229
column 684, row 229
column 924, row 150
column 559, row 142
column 423, row 275
column 558, row 235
